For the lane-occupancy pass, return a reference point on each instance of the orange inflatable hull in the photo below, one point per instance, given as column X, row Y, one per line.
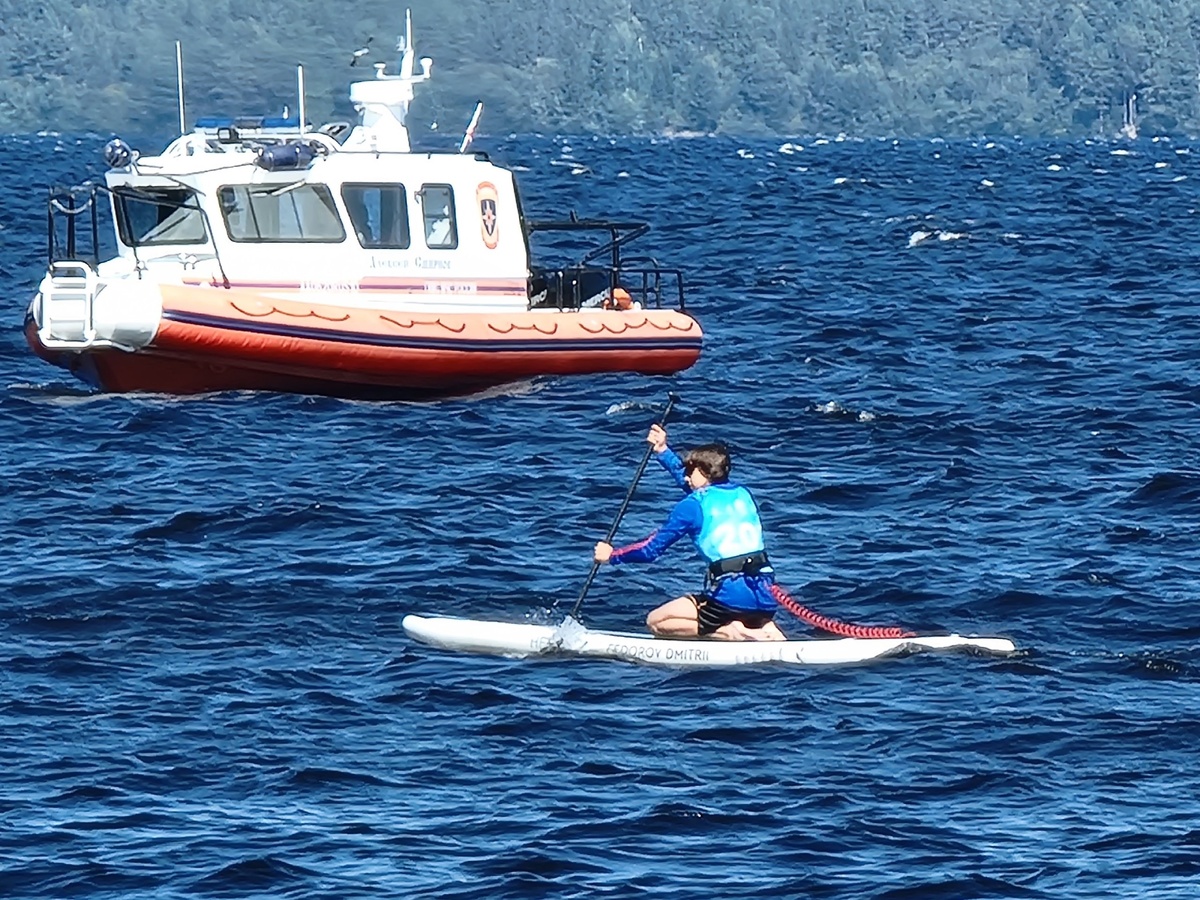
column 212, row 339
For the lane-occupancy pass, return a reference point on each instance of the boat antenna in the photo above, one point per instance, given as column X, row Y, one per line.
column 474, row 123
column 672, row 399
column 179, row 84
column 300, row 93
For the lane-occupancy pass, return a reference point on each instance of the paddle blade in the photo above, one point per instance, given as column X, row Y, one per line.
column 570, row 635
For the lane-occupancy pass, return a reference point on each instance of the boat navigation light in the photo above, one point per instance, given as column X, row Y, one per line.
column 279, row 157
column 117, row 154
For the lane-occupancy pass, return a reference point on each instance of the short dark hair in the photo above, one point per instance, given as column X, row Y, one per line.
column 711, row 459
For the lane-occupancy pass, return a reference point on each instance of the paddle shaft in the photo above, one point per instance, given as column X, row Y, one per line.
column 671, row 398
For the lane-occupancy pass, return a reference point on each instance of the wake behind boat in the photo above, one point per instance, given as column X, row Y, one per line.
column 524, row 640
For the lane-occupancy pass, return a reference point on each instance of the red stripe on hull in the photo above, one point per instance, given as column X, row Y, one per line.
column 191, row 359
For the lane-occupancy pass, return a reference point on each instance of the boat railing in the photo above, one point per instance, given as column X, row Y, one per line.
column 659, row 283
column 629, row 287
column 619, row 234
column 63, row 234
column 221, row 140
column 64, row 207
column 622, row 283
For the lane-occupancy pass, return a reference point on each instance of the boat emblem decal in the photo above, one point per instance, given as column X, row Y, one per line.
column 486, row 195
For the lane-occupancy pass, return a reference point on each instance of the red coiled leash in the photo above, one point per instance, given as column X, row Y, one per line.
column 833, row 626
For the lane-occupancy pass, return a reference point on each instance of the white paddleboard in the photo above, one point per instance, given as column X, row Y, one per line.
column 521, row 640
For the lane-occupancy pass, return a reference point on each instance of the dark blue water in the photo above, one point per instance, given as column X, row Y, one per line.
column 962, row 379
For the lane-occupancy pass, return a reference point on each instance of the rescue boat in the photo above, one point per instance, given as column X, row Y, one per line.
column 264, row 254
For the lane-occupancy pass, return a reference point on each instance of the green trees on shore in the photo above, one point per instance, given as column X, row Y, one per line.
column 794, row 67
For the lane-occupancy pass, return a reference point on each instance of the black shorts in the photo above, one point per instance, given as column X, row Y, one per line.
column 711, row 614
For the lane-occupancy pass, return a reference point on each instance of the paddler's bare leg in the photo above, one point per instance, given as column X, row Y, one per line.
column 674, row 619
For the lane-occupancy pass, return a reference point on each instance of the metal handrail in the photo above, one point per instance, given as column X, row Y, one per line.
column 645, row 285
column 62, row 201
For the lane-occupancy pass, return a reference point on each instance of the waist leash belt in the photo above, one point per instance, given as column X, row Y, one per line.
column 750, row 564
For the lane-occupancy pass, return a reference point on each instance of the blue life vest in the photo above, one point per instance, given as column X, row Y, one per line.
column 731, row 526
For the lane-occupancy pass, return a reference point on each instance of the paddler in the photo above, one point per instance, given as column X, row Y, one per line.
column 721, row 517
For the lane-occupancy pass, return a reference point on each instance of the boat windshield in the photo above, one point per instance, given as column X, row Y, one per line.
column 150, row 216
column 292, row 213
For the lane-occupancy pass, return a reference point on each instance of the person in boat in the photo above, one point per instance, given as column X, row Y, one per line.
column 722, row 519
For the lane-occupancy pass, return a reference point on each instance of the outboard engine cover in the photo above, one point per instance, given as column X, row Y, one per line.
column 292, row 155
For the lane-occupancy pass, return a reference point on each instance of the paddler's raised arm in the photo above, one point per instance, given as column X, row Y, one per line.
column 684, row 521
column 667, row 457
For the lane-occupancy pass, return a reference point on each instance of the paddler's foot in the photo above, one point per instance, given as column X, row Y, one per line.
column 731, row 631
column 737, row 631
column 771, row 632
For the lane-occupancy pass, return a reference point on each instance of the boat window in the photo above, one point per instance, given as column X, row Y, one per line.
column 437, row 206
column 148, row 216
column 296, row 213
column 379, row 214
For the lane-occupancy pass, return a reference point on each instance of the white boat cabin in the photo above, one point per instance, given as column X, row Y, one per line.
column 207, row 208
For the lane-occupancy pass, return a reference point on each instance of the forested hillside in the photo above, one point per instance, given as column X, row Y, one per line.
column 794, row 67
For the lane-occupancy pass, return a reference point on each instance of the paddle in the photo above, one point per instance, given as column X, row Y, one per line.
column 571, row 627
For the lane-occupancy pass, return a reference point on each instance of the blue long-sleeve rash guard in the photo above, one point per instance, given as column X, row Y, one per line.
column 686, row 520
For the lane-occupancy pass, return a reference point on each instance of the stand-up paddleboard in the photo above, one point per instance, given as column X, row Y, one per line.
column 524, row 640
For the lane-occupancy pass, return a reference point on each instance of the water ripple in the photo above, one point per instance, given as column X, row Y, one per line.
column 960, row 378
